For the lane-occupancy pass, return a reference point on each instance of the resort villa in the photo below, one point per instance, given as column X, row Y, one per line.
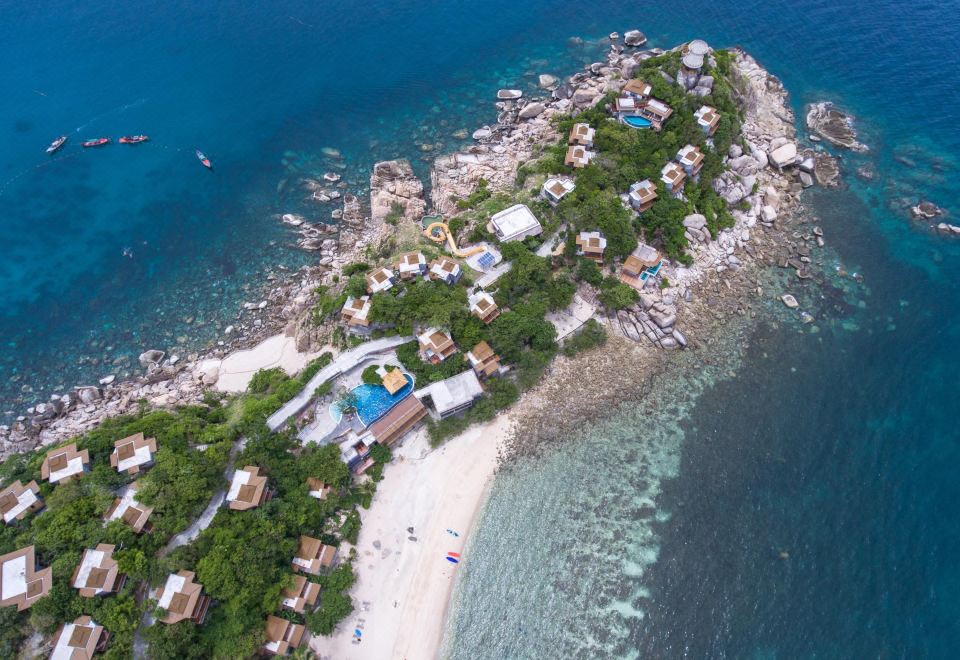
column 673, row 177
column 556, row 188
column 582, row 134
column 97, row 574
column 79, row 640
column 248, row 489
column 318, row 489
column 707, row 119
column 657, row 112
column 131, row 512
column 691, row 159
column 356, row 314
column 453, row 395
column 401, row 418
column 21, row 583
column 313, row 556
column 483, row 306
column 445, row 269
column 282, row 636
column 301, row 594
column 642, row 264
column 591, row 244
column 182, row 599
column 578, row 156
column 626, row 105
column 17, row 500
column 694, row 55
column 435, row 346
column 411, row 265
column 637, row 88
column 64, row 463
column 514, row 224
column 484, row 361
column 380, row 279
column 133, row 453
column 642, row 195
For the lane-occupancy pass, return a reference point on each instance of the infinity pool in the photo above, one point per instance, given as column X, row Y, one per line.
column 637, row 122
column 373, row 401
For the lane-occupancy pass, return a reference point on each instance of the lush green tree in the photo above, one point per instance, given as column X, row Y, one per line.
column 370, row 376
column 614, row 294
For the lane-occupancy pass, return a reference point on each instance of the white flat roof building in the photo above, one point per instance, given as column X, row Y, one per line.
column 515, row 223
column 454, row 394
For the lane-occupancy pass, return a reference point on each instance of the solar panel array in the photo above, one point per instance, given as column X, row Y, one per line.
column 486, row 260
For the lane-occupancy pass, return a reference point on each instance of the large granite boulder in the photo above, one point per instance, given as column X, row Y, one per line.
column 784, row 156
column 833, row 125
column 393, row 186
column 634, row 38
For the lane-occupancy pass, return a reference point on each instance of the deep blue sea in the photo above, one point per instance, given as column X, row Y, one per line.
column 801, row 503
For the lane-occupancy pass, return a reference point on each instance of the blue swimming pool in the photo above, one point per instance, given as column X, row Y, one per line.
column 373, row 401
column 637, row 122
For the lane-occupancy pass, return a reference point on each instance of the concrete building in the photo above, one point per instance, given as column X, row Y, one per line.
column 656, row 111
column 132, row 454
column 707, row 119
column 18, row 500
column 445, row 269
column 638, row 267
column 451, row 396
column 411, row 265
column 356, row 314
column 673, row 177
column 556, row 188
column 515, row 224
column 637, row 88
column 22, row 583
column 578, row 157
column 582, row 134
column 642, row 195
column 380, row 279
column 483, row 306
column 64, row 463
column 248, row 489
column 691, row 160
column 97, row 574
column 182, row 599
column 591, row 244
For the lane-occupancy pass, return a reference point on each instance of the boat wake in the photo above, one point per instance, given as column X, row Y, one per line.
column 114, row 111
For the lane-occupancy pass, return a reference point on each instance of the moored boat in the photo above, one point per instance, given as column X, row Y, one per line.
column 133, row 139
column 203, row 159
column 56, row 144
column 99, row 142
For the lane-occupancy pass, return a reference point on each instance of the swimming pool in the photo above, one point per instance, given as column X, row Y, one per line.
column 373, row 401
column 637, row 122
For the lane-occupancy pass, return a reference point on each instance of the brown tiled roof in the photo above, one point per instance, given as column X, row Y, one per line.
column 401, row 418
column 394, row 381
column 82, row 643
column 637, row 87
column 101, row 576
column 186, row 603
column 58, row 458
column 252, row 493
column 303, row 592
column 24, row 589
column 282, row 635
column 12, row 496
column 127, row 447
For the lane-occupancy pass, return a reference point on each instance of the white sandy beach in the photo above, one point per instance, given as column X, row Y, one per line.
column 404, row 585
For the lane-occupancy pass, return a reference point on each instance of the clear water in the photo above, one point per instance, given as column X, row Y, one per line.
column 374, row 401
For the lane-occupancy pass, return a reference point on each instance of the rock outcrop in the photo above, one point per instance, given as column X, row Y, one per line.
column 394, row 187
column 833, row 125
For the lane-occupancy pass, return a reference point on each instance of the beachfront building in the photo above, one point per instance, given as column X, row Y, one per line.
column 483, row 306
column 393, row 380
column 356, row 314
column 444, row 269
column 131, row 512
column 435, row 345
column 79, row 640
column 514, row 224
column 582, row 134
column 182, row 599
column 642, row 195
column 318, row 489
column 673, row 177
column 132, row 454
column 691, row 160
column 248, row 489
column 707, row 119
column 556, row 188
column 578, row 157
column 300, row 595
column 591, row 244
column 411, row 265
column 656, row 111
column 380, row 279
column 484, row 361
column 451, row 396
column 282, row 636
column 313, row 556
column 640, row 266
column 22, row 582
column 18, row 500
column 97, row 574
column 637, row 88
column 64, row 463
column 396, row 423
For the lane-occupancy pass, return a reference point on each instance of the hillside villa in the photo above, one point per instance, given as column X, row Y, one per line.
column 691, row 159
column 642, row 264
column 435, row 345
column 182, row 599
column 282, row 636
column 79, row 640
column 380, row 279
column 578, row 156
column 131, row 512
column 313, row 556
column 673, row 177
column 514, row 224
column 17, row 500
column 64, row 463
column 707, row 119
column 642, row 195
column 248, row 489
column 97, row 574
column 581, row 134
column 657, row 112
column 411, row 265
column 445, row 269
column 556, row 188
column 300, row 595
column 22, row 583
column 637, row 88
column 591, row 244
column 133, row 453
column 484, row 361
column 318, row 489
column 483, row 306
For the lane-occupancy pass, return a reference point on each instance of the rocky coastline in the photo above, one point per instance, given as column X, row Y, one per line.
column 764, row 179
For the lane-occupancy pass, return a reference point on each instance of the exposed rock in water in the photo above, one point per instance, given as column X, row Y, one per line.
column 393, row 184
column 509, row 94
column 531, row 110
column 826, row 170
column 547, row 81
column 833, row 125
column 926, row 210
column 634, row 38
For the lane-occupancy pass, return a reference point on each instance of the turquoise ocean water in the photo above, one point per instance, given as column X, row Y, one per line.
column 836, row 447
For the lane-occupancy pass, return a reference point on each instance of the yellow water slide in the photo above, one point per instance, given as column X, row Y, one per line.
column 438, row 232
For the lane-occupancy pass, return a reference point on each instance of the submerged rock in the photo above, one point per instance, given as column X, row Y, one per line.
column 789, row 301
column 833, row 125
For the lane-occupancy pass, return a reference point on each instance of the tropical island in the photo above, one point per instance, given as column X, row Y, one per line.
column 229, row 525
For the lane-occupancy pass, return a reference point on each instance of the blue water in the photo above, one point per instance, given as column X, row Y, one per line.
column 837, row 447
column 637, row 122
column 374, row 401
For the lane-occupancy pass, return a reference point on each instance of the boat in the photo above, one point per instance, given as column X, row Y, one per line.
column 99, row 142
column 203, row 159
column 56, row 144
column 133, row 139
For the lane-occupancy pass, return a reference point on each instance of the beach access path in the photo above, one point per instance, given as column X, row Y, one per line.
column 341, row 364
